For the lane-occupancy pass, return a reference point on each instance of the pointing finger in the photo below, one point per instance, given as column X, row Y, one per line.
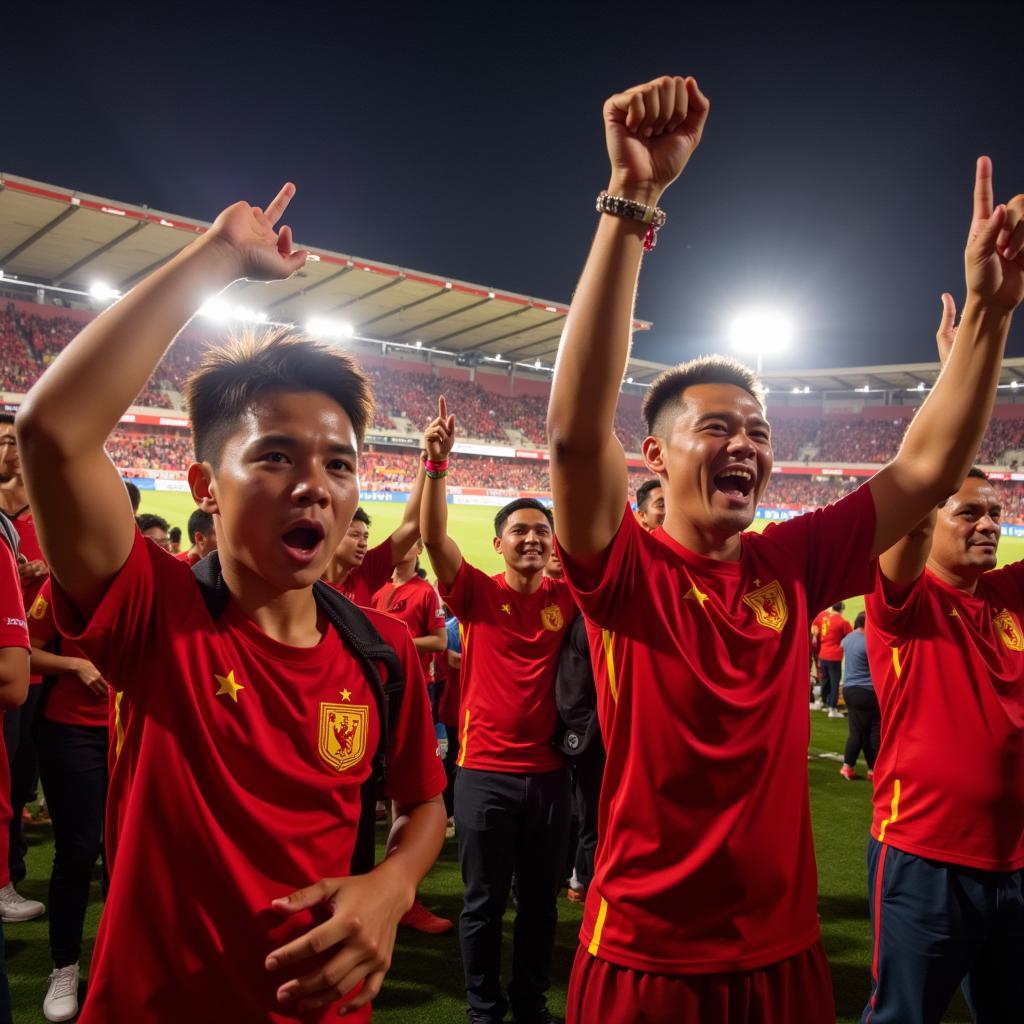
column 280, row 203
column 442, row 409
column 983, row 189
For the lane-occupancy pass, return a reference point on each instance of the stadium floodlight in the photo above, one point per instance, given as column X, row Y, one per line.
column 760, row 332
column 419, row 344
column 629, row 380
column 251, row 316
column 102, row 292
column 215, row 309
column 536, row 364
column 1013, row 384
column 323, row 327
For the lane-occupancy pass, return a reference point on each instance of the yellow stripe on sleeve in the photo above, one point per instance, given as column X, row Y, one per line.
column 118, row 724
column 608, row 639
column 897, row 667
column 894, row 807
column 465, row 733
column 595, row 942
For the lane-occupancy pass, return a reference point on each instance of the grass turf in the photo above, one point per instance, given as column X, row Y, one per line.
column 425, row 983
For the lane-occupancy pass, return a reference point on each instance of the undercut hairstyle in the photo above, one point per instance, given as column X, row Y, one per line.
column 838, row 606
column 858, row 623
column 199, row 522
column 134, row 495
column 665, row 397
column 516, row 506
column 150, row 519
column 174, row 534
column 973, row 473
column 360, row 516
column 7, row 417
column 231, row 378
column 643, row 493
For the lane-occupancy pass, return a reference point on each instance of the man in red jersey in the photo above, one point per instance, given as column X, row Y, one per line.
column 202, row 537
column 412, row 599
column 702, row 905
column 72, row 742
column 359, row 571
column 14, row 673
column 650, row 505
column 252, row 729
column 829, row 628
column 511, row 790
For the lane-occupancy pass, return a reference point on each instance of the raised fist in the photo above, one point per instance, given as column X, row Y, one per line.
column 247, row 233
column 994, row 258
column 439, row 437
column 651, row 131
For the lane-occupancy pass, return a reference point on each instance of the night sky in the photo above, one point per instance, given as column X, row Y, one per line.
column 834, row 178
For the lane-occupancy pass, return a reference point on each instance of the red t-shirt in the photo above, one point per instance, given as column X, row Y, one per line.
column 948, row 668
column 238, row 781
column 28, row 541
column 190, row 557
column 362, row 583
column 705, row 858
column 832, row 627
column 510, row 644
column 416, row 603
column 70, row 701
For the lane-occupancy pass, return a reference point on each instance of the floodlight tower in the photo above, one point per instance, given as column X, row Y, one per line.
column 757, row 332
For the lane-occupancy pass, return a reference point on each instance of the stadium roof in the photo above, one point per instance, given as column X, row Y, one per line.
column 57, row 237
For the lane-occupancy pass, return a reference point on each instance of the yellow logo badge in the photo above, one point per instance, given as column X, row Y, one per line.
column 39, row 606
column 1009, row 631
column 551, row 618
column 342, row 739
column 769, row 604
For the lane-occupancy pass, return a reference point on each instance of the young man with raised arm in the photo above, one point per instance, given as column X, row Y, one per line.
column 512, row 787
column 945, row 637
column 703, row 900
column 236, row 795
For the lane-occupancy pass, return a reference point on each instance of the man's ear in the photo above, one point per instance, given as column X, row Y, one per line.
column 497, row 544
column 654, row 454
column 203, row 487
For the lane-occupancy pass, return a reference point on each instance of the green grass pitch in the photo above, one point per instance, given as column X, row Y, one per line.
column 425, row 983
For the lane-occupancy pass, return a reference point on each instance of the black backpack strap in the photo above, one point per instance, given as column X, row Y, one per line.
column 211, row 584
column 9, row 534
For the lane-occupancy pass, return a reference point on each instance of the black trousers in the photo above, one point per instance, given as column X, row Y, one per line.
column 73, row 765
column 831, row 674
column 451, row 769
column 586, row 770
column 865, row 724
column 510, row 823
column 20, row 740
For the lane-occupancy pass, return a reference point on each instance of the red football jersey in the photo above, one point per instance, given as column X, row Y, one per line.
column 190, row 557
column 510, row 644
column 361, row 584
column 416, row 603
column 238, row 781
column 948, row 668
column 28, row 541
column 705, row 859
column 70, row 701
column 832, row 627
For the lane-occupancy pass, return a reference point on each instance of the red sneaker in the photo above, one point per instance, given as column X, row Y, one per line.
column 576, row 895
column 848, row 773
column 871, row 774
column 420, row 919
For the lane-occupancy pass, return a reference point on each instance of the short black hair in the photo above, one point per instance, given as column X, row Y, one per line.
column 666, row 391
column 199, row 522
column 973, row 473
column 360, row 516
column 150, row 519
column 134, row 495
column 838, row 606
column 174, row 534
column 515, row 506
column 858, row 623
column 643, row 492
column 7, row 417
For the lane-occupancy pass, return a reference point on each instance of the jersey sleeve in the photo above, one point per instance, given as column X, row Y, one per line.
column 434, row 611
column 890, row 619
column 832, row 545
column 145, row 605
column 415, row 771
column 13, row 628
column 377, row 566
column 42, row 630
column 615, row 579
column 465, row 595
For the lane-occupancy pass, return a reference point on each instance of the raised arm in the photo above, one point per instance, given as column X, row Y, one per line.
column 445, row 556
column 74, row 406
column 942, row 441
column 651, row 132
column 408, row 530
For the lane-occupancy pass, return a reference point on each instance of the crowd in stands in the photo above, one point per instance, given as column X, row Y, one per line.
column 150, row 448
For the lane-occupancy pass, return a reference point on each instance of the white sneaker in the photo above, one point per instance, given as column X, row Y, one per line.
column 816, row 705
column 61, row 1002
column 16, row 908
column 835, row 713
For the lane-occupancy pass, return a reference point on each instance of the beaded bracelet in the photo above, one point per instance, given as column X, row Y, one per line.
column 436, row 467
column 618, row 206
column 437, row 474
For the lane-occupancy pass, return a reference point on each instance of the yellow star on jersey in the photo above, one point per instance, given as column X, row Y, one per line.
column 346, row 694
column 507, row 609
column 693, row 594
column 228, row 686
column 954, row 614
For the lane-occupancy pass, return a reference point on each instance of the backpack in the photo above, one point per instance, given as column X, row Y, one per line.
column 380, row 665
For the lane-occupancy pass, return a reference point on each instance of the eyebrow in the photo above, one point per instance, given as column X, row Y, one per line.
column 288, row 441
column 755, row 420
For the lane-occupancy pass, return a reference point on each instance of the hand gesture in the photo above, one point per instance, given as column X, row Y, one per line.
column 946, row 334
column 247, row 232
column 994, row 258
column 651, row 131
column 90, row 676
column 360, row 932
column 439, row 437
column 29, row 572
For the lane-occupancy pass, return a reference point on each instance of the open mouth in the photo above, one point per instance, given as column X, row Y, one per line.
column 303, row 539
column 735, row 483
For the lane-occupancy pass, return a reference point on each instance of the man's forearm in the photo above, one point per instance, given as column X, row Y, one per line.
column 409, row 529
column 433, row 644
column 83, row 395
column 46, row 663
column 416, row 838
